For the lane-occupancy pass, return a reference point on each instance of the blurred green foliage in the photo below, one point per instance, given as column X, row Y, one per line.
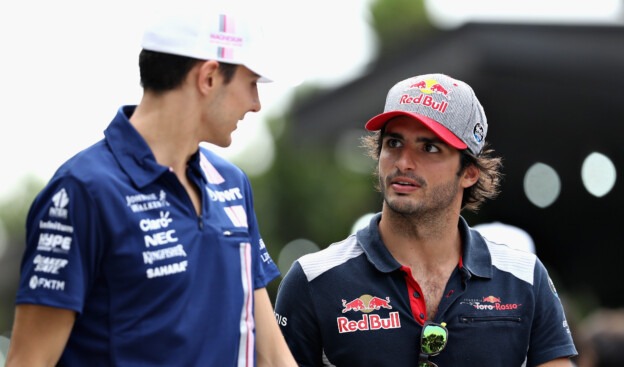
column 397, row 21
column 13, row 211
column 306, row 194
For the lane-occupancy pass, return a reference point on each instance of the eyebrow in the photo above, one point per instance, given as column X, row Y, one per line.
column 420, row 139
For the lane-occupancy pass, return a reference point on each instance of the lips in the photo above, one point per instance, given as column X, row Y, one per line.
column 404, row 184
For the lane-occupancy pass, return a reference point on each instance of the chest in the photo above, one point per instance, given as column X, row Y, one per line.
column 426, row 289
column 155, row 242
column 380, row 313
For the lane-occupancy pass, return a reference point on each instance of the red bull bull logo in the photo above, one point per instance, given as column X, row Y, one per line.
column 420, row 85
column 366, row 303
column 431, row 86
column 355, row 305
column 491, row 299
column 376, row 303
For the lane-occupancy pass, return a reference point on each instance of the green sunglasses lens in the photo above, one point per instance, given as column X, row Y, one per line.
column 433, row 339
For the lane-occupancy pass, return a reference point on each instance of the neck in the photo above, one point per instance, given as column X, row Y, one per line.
column 423, row 242
column 168, row 125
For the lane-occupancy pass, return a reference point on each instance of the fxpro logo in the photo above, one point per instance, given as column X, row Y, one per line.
column 45, row 283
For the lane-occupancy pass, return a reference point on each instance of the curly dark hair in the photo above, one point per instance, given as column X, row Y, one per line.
column 489, row 166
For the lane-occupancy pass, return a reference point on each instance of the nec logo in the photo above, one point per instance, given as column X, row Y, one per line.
column 160, row 238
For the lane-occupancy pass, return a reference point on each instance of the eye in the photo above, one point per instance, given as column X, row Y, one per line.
column 428, row 147
column 393, row 143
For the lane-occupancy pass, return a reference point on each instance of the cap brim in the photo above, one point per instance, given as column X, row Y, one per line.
column 260, row 71
column 377, row 122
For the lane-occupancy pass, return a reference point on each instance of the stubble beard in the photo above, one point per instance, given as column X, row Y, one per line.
column 425, row 210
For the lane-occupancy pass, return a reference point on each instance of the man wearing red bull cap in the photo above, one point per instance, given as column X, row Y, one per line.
column 366, row 300
column 144, row 249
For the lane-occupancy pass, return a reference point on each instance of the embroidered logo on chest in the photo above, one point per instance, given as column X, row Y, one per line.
column 490, row 303
column 367, row 304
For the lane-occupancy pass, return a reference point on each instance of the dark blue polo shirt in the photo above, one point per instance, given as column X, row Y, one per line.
column 353, row 304
column 115, row 237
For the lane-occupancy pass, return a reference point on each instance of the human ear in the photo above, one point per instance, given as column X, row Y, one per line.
column 206, row 73
column 470, row 175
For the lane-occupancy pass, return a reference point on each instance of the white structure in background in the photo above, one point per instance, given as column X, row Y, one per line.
column 453, row 13
column 507, row 234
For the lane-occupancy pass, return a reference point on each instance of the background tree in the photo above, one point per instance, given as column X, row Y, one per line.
column 13, row 213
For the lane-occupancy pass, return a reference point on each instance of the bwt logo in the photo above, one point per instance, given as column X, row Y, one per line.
column 225, row 195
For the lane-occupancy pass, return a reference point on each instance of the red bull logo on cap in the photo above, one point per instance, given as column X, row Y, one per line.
column 366, row 304
column 431, row 86
column 428, row 88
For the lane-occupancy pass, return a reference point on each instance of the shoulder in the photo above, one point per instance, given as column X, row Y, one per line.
column 336, row 254
column 218, row 161
column 218, row 169
column 85, row 172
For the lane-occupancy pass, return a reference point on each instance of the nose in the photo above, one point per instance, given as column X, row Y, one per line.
column 256, row 106
column 405, row 161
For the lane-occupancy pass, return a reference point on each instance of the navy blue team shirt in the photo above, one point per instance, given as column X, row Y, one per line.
column 115, row 237
column 353, row 304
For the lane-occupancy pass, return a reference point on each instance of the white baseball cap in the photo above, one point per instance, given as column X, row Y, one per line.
column 207, row 32
column 447, row 106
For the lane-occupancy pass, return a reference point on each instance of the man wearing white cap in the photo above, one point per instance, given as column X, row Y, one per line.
column 418, row 286
column 144, row 249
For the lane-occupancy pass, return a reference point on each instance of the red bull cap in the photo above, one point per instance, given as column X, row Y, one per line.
column 447, row 106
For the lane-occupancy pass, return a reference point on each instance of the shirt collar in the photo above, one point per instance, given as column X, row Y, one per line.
column 475, row 258
column 374, row 248
column 131, row 150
